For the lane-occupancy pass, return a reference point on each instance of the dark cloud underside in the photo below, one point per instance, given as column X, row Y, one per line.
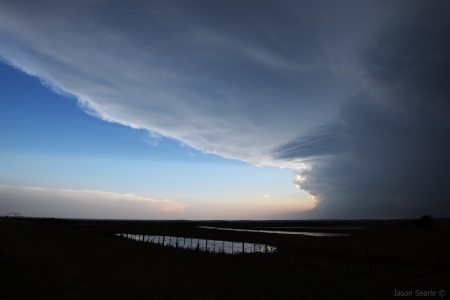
column 387, row 154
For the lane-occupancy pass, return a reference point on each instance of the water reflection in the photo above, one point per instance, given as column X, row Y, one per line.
column 332, row 228
column 212, row 246
column 279, row 232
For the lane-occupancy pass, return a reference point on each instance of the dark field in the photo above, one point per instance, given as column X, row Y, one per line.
column 67, row 259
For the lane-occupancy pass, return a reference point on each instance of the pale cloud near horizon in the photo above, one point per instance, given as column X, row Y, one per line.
column 67, row 203
column 45, row 202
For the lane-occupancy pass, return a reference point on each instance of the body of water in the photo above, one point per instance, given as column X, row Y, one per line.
column 326, row 228
column 213, row 246
column 279, row 232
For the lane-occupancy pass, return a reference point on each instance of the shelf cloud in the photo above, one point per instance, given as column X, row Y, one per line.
column 353, row 95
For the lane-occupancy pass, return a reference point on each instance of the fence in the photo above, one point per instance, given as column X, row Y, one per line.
column 204, row 245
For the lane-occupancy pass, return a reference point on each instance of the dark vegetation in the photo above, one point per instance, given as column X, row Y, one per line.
column 82, row 259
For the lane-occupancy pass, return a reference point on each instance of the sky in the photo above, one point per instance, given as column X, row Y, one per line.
column 225, row 109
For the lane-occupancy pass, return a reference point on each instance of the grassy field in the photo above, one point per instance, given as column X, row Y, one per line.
column 63, row 259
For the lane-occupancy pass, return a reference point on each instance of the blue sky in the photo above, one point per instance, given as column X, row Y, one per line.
column 48, row 141
column 225, row 109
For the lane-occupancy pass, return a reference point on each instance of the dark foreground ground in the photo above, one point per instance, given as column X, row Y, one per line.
column 66, row 259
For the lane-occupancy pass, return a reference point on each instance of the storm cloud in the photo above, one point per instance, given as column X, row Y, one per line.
column 386, row 152
column 353, row 95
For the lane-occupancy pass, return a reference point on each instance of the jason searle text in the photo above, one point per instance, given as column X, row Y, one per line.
column 419, row 293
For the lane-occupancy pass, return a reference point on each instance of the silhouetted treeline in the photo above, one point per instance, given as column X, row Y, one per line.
column 424, row 222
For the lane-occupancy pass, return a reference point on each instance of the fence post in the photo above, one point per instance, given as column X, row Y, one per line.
column 368, row 260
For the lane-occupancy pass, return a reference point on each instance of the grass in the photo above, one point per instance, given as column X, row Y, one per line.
column 39, row 261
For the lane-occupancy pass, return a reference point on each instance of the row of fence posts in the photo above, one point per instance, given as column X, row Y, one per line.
column 141, row 239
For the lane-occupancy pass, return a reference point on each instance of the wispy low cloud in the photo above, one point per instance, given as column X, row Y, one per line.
column 43, row 202
column 152, row 139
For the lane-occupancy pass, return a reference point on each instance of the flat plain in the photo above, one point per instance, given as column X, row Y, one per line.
column 83, row 259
